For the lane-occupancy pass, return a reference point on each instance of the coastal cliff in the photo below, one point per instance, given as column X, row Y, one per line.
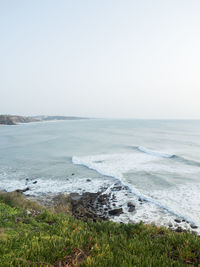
column 15, row 119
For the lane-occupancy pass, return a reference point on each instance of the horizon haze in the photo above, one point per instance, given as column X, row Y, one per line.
column 103, row 59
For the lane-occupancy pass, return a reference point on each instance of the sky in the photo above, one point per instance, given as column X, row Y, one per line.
column 105, row 58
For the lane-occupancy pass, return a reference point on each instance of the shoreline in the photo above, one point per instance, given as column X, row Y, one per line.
column 100, row 206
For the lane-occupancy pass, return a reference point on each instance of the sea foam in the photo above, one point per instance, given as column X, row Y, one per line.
column 116, row 165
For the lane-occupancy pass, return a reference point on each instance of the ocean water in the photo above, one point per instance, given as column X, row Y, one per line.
column 157, row 161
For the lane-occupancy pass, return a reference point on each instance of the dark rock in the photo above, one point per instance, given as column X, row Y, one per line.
column 22, row 190
column 73, row 174
column 142, row 199
column 88, row 180
column 117, row 188
column 113, row 197
column 103, row 199
column 177, row 220
column 179, row 229
column 131, row 209
column 130, row 205
column 35, row 182
column 115, row 212
column 193, row 226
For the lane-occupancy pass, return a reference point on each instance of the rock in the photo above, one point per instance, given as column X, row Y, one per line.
column 177, row 220
column 117, row 188
column 88, row 180
column 35, row 182
column 170, row 225
column 73, row 174
column 179, row 229
column 115, row 212
column 193, row 226
column 103, row 199
column 131, row 209
column 22, row 190
column 141, row 200
column 131, row 206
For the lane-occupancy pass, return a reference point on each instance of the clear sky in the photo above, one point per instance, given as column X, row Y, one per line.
column 105, row 58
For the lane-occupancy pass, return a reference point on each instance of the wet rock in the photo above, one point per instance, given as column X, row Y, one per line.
column 131, row 207
column 73, row 174
column 35, row 182
column 179, row 229
column 88, row 180
column 103, row 199
column 177, row 220
column 193, row 226
column 117, row 188
column 22, row 190
column 170, row 225
column 113, row 197
column 116, row 212
column 141, row 200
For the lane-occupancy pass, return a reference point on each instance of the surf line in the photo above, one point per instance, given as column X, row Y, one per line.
column 135, row 192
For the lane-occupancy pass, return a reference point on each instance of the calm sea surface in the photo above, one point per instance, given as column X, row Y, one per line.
column 159, row 161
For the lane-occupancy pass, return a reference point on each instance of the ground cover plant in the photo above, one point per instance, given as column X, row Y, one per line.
column 33, row 236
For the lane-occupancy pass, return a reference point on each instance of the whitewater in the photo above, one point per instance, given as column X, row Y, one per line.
column 157, row 162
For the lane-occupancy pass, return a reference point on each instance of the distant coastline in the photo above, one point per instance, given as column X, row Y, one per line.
column 15, row 119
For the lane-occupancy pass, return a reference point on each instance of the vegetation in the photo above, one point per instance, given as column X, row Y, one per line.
column 33, row 236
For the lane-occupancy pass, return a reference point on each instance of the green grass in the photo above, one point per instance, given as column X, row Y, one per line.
column 44, row 238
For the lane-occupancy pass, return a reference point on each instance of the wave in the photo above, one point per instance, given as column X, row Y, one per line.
column 155, row 153
column 167, row 155
column 187, row 161
column 102, row 164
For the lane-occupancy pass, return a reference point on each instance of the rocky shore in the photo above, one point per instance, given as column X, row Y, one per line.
column 99, row 206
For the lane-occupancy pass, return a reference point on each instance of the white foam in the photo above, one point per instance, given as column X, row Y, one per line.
column 156, row 209
column 115, row 165
column 54, row 186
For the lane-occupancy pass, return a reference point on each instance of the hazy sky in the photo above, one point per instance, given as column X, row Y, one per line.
column 105, row 58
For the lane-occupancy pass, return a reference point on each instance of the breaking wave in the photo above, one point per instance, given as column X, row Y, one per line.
column 167, row 155
column 115, row 165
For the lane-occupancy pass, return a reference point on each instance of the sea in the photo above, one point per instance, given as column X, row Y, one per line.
column 156, row 161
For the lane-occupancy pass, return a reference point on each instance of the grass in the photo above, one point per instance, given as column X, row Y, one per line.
column 33, row 236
